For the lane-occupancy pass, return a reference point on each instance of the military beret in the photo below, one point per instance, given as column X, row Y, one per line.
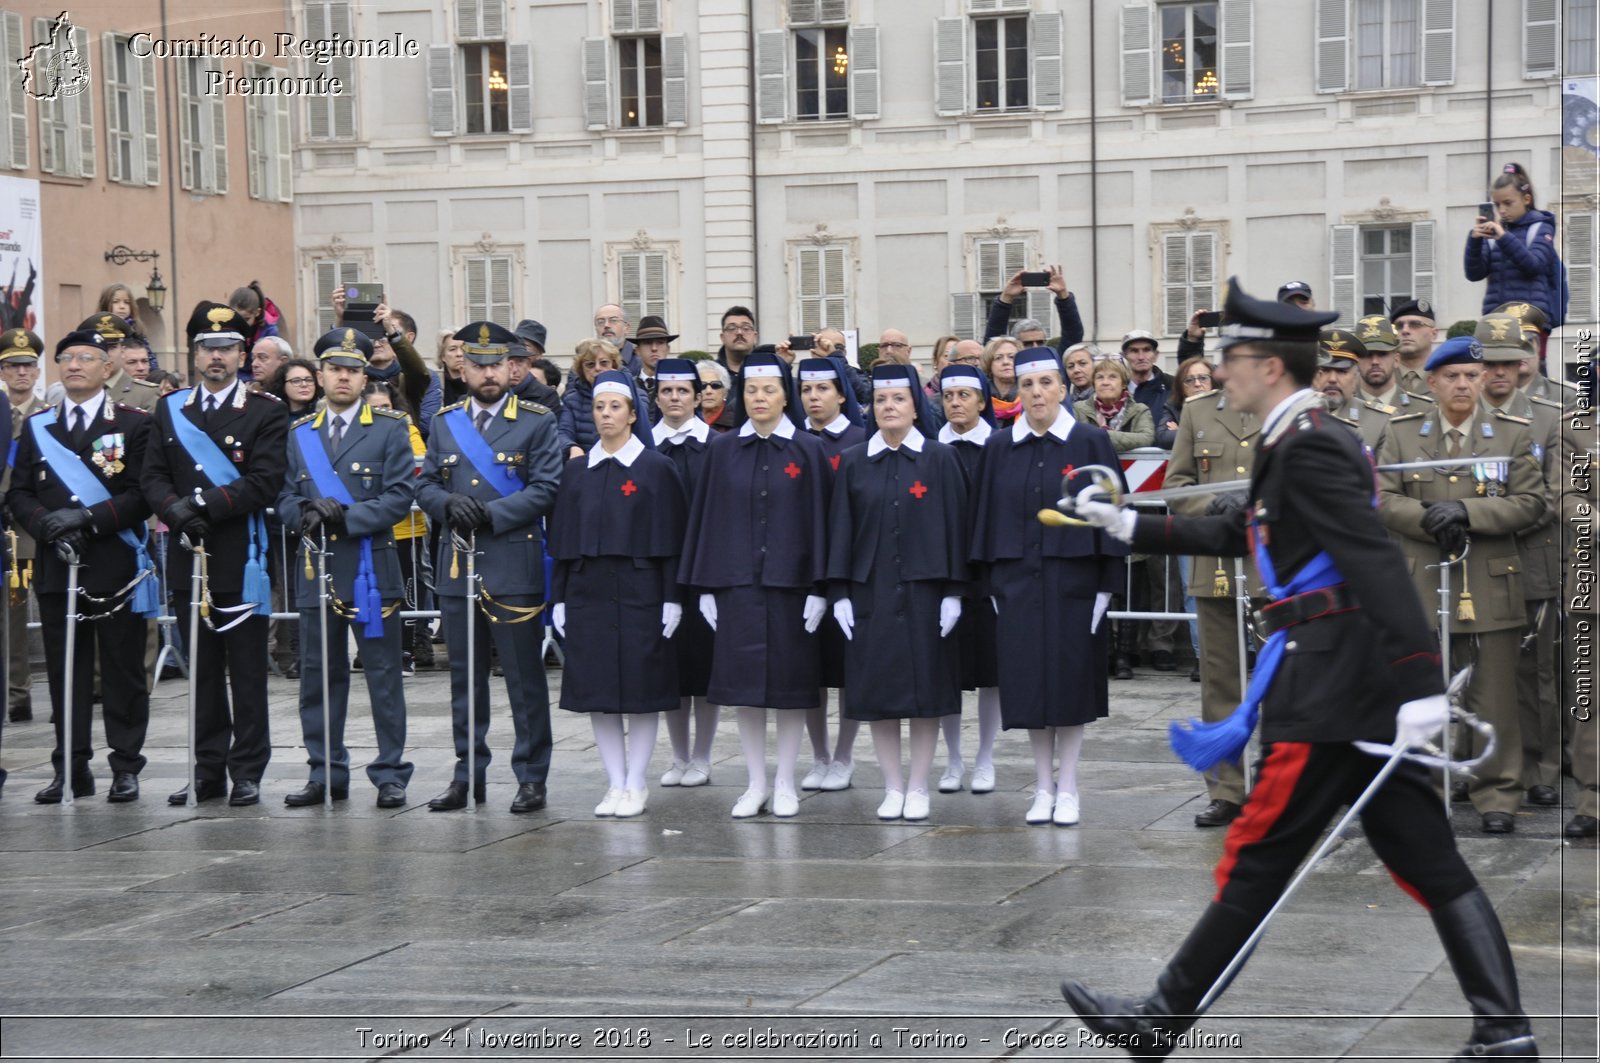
column 80, row 338
column 1461, row 350
column 1412, row 308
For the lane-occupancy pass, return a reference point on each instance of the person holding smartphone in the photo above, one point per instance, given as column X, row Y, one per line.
column 1513, row 247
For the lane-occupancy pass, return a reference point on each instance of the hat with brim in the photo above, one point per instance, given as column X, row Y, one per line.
column 530, row 331
column 219, row 339
column 652, row 328
column 1377, row 334
column 1338, row 349
column 1294, row 290
column 485, row 343
column 20, row 344
column 1502, row 338
column 344, row 347
column 1530, row 316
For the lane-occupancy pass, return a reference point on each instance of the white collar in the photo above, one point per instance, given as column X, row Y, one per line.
column 477, row 407
column 836, row 426
column 785, row 429
column 1061, row 429
column 912, row 442
column 978, row 433
column 91, row 409
column 624, row 457
column 1269, row 422
column 694, row 428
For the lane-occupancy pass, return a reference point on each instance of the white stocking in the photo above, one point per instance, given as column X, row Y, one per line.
column 706, row 716
column 1043, row 741
column 817, row 727
column 791, row 730
column 845, row 751
column 988, row 724
column 950, row 726
column 886, row 747
column 753, row 737
column 1069, row 740
column 642, row 728
column 608, row 742
column 924, row 744
column 678, row 730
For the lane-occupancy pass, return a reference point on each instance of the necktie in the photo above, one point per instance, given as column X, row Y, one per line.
column 211, row 407
column 80, row 430
column 1452, row 444
column 336, row 433
column 483, row 419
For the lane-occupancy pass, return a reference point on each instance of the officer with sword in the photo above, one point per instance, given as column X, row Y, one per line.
column 490, row 476
column 215, row 462
column 1350, row 657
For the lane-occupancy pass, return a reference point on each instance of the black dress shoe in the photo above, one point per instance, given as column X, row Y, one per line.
column 1582, row 827
column 82, row 786
column 1543, row 795
column 312, row 793
column 1522, row 1047
column 1498, row 823
column 124, row 787
column 1141, row 1027
column 204, row 790
column 391, row 795
column 245, row 792
column 530, row 797
column 1217, row 814
column 1163, row 661
column 1121, row 667
column 292, row 672
column 1194, row 675
column 1459, row 794
column 21, row 714
column 453, row 799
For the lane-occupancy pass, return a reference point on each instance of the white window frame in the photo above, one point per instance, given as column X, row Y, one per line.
column 486, row 255
column 989, row 260
column 642, row 285
column 1187, row 7
column 324, row 272
column 1578, row 232
column 1571, row 17
column 1335, row 28
column 202, row 130
column 637, row 44
column 485, row 51
column 332, row 118
column 1188, row 267
column 1345, row 258
column 823, row 275
column 955, row 84
column 1388, row 55
column 66, row 124
column 1003, row 74
column 142, row 135
column 267, row 139
column 1366, row 261
column 479, row 24
column 822, row 62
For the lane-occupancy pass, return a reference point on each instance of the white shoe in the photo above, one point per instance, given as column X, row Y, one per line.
column 916, row 805
column 950, row 781
column 697, row 774
column 632, row 803
column 751, row 803
column 814, row 777
column 673, row 776
column 839, row 773
column 983, row 780
column 893, row 807
column 785, row 803
column 1066, row 814
column 608, row 803
column 1043, row 807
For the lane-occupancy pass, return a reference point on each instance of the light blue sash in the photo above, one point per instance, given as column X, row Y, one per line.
column 216, row 467
column 476, row 450
column 368, row 601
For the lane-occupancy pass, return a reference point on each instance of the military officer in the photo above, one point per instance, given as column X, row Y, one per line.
column 123, row 388
column 349, row 481
column 1532, row 379
column 1434, row 512
column 1414, row 326
column 215, row 462
column 1505, row 348
column 492, row 470
column 20, row 351
column 75, row 486
column 1580, row 504
column 1380, row 364
column 1216, row 441
column 1338, row 355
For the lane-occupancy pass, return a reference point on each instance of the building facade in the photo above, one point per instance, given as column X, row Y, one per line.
column 888, row 163
column 148, row 153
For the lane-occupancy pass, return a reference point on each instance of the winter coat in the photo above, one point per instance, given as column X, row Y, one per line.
column 1517, row 271
column 576, row 426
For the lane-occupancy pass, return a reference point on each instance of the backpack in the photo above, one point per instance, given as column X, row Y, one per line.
column 1560, row 291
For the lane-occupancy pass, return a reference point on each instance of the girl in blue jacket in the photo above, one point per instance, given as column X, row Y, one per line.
column 1517, row 252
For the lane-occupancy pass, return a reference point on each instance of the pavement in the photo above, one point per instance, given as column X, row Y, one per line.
column 148, row 932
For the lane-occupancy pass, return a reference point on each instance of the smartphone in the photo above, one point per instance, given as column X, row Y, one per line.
column 364, row 293
column 802, row 343
column 1035, row 279
column 1486, row 211
column 1210, row 319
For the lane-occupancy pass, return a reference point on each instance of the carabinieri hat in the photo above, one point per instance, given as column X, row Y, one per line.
column 1338, row 349
column 224, row 327
column 19, row 344
column 1246, row 319
column 344, row 346
column 1502, row 338
column 1458, row 350
column 1377, row 334
column 485, row 343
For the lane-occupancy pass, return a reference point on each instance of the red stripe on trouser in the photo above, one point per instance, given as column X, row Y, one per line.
column 1415, row 893
column 1266, row 803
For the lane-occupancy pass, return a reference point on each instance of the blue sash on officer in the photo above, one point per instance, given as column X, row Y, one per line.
column 216, row 467
column 1205, row 745
column 368, row 601
column 476, row 450
column 91, row 492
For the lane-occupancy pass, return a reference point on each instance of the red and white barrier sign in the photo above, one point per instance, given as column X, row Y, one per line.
column 1144, row 474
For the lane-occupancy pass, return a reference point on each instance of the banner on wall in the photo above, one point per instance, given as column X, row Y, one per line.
column 21, row 256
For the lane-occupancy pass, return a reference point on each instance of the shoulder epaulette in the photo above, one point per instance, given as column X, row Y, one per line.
column 41, row 409
column 1380, row 407
column 142, row 383
column 532, row 407
column 125, row 407
column 312, row 416
column 1408, row 417
column 1504, row 416
column 453, row 406
column 392, row 414
column 1537, row 401
column 248, row 395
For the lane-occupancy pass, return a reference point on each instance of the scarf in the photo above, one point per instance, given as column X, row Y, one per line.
column 1007, row 409
column 1112, row 414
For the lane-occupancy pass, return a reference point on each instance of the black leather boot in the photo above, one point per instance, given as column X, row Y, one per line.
column 1124, row 636
column 1476, row 947
column 1149, row 1027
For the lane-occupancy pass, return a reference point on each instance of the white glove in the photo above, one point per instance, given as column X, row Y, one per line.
column 1420, row 720
column 1102, row 602
column 1090, row 505
column 558, row 618
column 671, row 615
column 844, row 614
column 816, row 609
column 949, row 613
column 708, row 609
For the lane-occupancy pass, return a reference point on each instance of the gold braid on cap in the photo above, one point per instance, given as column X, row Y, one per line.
column 219, row 316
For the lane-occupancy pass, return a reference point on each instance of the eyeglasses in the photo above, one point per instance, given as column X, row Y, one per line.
column 1030, row 344
column 299, row 381
column 77, row 359
column 715, row 385
column 738, row 330
column 968, row 359
column 600, row 321
column 906, row 346
column 1201, row 379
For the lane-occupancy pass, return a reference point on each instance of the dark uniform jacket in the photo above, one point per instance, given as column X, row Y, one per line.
column 108, row 562
column 20, row 414
column 250, row 429
column 1343, row 676
column 522, row 438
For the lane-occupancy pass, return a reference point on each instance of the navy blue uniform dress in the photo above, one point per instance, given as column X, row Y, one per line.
column 836, row 438
column 693, row 640
column 757, row 540
column 615, row 538
column 897, row 545
column 974, row 634
column 1052, row 670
